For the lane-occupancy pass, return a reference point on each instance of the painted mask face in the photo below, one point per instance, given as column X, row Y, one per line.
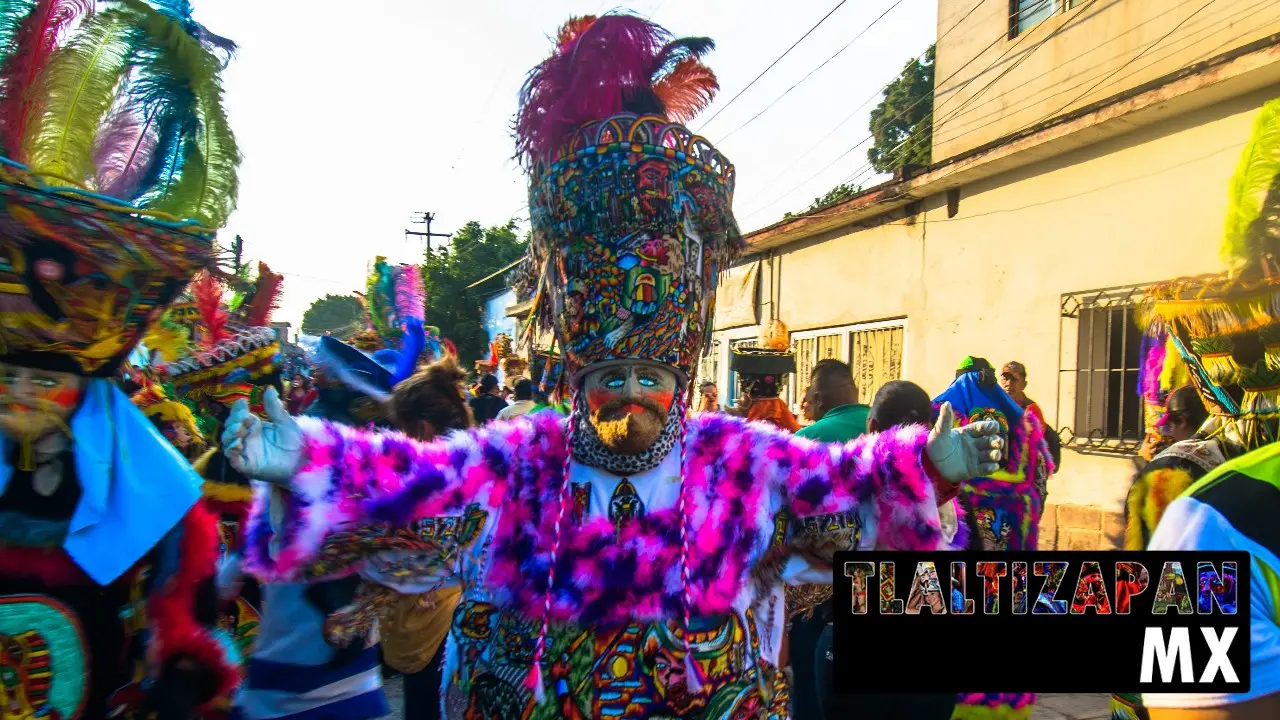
column 629, row 403
column 34, row 403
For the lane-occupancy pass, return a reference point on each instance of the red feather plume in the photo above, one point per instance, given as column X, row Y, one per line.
column 605, row 66
column 687, row 90
column 34, row 43
column 266, row 298
column 206, row 293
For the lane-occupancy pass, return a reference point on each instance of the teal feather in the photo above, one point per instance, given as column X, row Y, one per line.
column 12, row 14
column 206, row 187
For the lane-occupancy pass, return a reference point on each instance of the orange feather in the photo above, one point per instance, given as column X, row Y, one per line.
column 687, row 90
column 572, row 28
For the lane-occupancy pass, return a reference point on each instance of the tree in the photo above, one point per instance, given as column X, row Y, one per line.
column 902, row 124
column 835, row 195
column 340, row 315
column 475, row 253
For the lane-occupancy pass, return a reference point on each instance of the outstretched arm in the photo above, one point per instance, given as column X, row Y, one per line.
column 345, row 494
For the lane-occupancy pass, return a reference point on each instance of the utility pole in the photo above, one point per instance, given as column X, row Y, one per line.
column 426, row 218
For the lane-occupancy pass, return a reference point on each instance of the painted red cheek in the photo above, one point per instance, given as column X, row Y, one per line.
column 597, row 397
column 61, row 397
column 663, row 397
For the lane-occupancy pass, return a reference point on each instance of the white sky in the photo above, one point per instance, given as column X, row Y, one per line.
column 353, row 116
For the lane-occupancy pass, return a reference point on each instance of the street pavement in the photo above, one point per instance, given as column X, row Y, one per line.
column 1049, row 707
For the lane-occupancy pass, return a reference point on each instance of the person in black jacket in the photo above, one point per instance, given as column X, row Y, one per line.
column 486, row 405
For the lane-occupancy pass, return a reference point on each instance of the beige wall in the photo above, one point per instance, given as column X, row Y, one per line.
column 1144, row 207
column 1055, row 66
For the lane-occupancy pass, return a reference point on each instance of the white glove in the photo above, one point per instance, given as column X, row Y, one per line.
column 959, row 454
column 270, row 451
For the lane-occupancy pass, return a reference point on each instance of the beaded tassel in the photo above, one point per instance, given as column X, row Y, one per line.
column 693, row 672
column 533, row 681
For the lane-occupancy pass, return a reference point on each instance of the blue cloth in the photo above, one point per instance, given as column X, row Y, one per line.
column 967, row 396
column 135, row 486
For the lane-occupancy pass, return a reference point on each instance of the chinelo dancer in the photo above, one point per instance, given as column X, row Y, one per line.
column 1226, row 329
column 627, row 561
column 118, row 165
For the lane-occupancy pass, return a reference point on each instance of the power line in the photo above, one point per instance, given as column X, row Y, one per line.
column 965, row 84
column 873, row 96
column 775, row 62
column 868, row 170
column 811, row 72
column 862, row 171
column 1036, row 97
column 1012, row 136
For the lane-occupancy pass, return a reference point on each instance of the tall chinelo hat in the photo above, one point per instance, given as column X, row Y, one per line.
column 631, row 211
column 1227, row 326
column 117, row 167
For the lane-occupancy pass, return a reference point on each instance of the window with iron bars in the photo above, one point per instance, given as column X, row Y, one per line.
column 874, row 352
column 1100, row 410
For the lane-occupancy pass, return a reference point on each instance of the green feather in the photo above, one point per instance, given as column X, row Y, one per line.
column 1258, row 169
column 78, row 89
column 207, row 189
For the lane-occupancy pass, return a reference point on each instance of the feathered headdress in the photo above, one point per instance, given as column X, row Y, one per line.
column 129, row 105
column 395, row 296
column 262, row 298
column 115, row 143
column 610, row 65
column 618, row 188
column 1227, row 326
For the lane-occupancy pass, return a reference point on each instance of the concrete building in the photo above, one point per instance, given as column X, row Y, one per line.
column 1081, row 150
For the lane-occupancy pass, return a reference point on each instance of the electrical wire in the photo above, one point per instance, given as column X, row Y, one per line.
column 1142, row 53
column 775, row 62
column 956, row 91
column 809, row 74
column 864, row 103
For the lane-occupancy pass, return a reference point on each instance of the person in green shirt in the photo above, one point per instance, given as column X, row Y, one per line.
column 831, row 402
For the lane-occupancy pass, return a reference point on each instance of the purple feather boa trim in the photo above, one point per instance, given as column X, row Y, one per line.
column 738, row 475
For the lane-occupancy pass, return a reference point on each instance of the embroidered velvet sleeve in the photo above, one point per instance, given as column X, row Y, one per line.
column 182, row 610
column 359, row 492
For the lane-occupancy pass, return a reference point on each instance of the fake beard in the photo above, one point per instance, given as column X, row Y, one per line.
column 623, row 430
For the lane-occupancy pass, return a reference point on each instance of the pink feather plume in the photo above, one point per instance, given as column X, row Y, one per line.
column 411, row 296
column 594, row 69
column 35, row 42
column 123, row 153
column 1152, row 367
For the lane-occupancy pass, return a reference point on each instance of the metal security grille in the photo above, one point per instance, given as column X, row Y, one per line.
column 808, row 352
column 1102, row 387
column 876, row 358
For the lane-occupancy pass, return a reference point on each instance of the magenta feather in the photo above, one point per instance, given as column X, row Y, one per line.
column 1152, row 367
column 34, row 43
column 123, row 152
column 588, row 78
column 411, row 296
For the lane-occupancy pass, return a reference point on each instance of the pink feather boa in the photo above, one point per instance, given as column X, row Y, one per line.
column 738, row 475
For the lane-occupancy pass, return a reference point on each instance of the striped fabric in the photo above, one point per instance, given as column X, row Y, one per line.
column 289, row 675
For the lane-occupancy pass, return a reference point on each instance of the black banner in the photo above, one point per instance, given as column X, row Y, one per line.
column 1079, row 622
